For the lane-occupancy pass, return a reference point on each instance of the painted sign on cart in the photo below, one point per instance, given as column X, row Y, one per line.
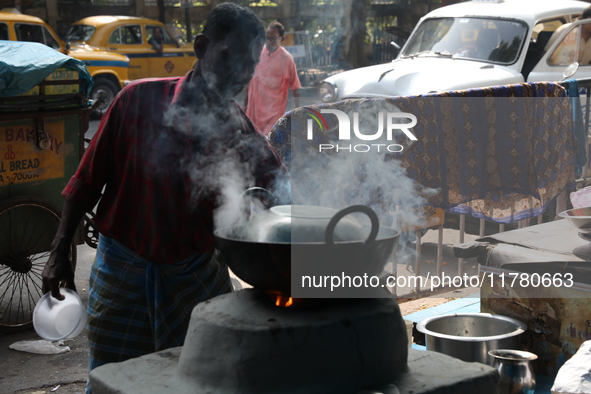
column 22, row 159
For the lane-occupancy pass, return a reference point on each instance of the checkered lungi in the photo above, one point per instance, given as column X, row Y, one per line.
column 136, row 306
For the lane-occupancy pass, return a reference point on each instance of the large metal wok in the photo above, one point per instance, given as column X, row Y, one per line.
column 272, row 263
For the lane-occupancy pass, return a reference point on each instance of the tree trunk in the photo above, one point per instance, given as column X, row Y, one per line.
column 161, row 11
column 188, row 23
column 353, row 34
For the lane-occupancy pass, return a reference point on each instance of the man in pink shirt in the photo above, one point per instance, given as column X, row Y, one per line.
column 267, row 92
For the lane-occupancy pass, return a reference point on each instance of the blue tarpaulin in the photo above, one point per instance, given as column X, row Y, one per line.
column 23, row 65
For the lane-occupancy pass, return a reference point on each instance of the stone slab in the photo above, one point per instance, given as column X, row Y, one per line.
column 429, row 372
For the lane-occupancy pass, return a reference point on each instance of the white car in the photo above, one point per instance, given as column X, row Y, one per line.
column 475, row 44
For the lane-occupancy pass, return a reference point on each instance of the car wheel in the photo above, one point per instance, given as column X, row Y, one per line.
column 103, row 91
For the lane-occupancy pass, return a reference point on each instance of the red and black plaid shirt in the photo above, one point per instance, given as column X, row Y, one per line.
column 158, row 198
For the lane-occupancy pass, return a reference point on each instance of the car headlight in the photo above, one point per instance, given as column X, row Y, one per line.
column 327, row 92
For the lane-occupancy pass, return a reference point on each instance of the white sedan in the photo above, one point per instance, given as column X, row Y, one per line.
column 475, row 44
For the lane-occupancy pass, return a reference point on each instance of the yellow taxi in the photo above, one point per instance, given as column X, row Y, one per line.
column 108, row 69
column 132, row 37
column 15, row 26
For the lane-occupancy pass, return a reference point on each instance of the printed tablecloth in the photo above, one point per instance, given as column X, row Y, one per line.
column 502, row 153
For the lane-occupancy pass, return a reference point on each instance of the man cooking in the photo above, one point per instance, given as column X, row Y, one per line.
column 168, row 153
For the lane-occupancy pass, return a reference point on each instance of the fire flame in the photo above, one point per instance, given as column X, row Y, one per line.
column 283, row 301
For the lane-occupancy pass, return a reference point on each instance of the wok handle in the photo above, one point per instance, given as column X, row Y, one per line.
column 373, row 217
column 267, row 198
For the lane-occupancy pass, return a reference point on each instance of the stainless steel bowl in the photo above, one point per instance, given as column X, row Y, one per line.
column 470, row 336
column 580, row 218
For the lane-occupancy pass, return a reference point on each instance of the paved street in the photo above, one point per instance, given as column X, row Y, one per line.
column 32, row 373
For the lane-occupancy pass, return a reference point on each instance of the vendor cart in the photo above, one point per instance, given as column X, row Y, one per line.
column 41, row 143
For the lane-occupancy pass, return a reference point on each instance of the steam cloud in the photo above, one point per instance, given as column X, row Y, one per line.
column 376, row 179
column 225, row 162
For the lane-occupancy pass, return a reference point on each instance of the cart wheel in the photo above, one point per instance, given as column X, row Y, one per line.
column 27, row 228
column 91, row 234
column 104, row 91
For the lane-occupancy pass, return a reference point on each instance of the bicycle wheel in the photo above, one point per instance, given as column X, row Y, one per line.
column 27, row 228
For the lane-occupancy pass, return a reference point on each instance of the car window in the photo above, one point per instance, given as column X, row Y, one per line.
column 494, row 40
column 167, row 37
column 3, row 31
column 35, row 33
column 549, row 25
column 115, row 37
column 540, row 41
column 49, row 40
column 131, row 35
column 28, row 32
column 126, row 35
column 79, row 33
column 575, row 46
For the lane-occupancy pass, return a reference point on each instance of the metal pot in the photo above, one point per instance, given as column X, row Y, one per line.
column 265, row 251
column 306, row 223
column 470, row 336
column 516, row 373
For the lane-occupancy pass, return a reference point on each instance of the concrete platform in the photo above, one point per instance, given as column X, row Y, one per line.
column 429, row 372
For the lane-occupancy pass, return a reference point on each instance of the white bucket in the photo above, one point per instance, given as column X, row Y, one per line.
column 54, row 320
